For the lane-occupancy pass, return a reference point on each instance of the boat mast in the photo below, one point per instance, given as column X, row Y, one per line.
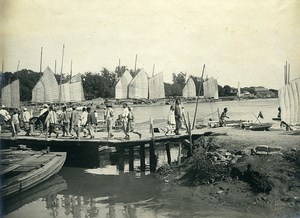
column 41, row 59
column 153, row 70
column 71, row 71
column 200, row 86
column 61, row 70
column 18, row 66
column 2, row 66
column 135, row 63
column 55, row 67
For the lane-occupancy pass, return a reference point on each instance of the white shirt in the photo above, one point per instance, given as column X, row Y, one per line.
column 125, row 113
column 83, row 117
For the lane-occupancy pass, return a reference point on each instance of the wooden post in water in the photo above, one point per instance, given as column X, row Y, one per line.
column 142, row 158
column 168, row 153
column 121, row 159
column 131, row 158
column 152, row 149
column 152, row 157
column 179, row 153
column 190, row 133
column 47, row 127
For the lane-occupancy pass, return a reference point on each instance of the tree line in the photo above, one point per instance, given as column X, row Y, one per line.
column 102, row 84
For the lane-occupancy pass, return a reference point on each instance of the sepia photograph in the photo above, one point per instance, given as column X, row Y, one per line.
column 151, row 109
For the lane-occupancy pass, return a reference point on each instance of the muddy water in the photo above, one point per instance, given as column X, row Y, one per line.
column 106, row 192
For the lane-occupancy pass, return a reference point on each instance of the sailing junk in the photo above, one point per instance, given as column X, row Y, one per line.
column 73, row 91
column 47, row 89
column 11, row 94
column 122, row 86
column 189, row 89
column 156, row 86
column 289, row 99
column 138, row 87
column 210, row 88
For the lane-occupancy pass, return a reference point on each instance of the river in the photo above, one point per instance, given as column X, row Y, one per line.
column 106, row 192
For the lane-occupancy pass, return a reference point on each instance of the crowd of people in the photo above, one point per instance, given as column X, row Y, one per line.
column 76, row 120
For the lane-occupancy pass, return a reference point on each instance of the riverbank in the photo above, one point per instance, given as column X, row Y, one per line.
column 253, row 186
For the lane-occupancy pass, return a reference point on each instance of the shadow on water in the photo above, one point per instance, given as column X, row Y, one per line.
column 99, row 191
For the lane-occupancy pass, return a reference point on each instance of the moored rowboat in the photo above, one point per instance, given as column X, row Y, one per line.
column 21, row 170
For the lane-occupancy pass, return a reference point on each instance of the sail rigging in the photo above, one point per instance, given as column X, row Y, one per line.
column 10, row 95
column 46, row 89
column 289, row 99
column 121, row 89
column 139, row 87
column 189, row 90
column 156, row 86
column 210, row 88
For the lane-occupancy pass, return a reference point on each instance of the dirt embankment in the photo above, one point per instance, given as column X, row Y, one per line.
column 261, row 185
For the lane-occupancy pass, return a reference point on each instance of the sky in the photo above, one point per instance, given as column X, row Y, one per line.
column 238, row 41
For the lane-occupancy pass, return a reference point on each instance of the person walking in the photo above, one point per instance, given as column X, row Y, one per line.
column 109, row 114
column 65, row 120
column 83, row 120
column 125, row 120
column 91, row 123
column 171, row 121
column 75, row 122
column 15, row 123
column 178, row 116
column 51, row 120
column 26, row 117
column 131, row 126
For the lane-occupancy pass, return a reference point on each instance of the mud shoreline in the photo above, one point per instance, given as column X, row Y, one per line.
column 234, row 195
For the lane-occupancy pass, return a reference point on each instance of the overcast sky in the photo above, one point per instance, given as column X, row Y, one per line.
column 238, row 41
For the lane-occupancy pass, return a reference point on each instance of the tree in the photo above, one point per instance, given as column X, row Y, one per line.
column 119, row 71
column 179, row 79
column 134, row 72
column 227, row 90
column 110, row 80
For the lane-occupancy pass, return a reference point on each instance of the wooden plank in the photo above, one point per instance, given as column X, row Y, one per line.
column 9, row 169
column 26, row 168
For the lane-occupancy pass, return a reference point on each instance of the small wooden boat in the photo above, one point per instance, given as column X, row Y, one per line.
column 256, row 126
column 23, row 169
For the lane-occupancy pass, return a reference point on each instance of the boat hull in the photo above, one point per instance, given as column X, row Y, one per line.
column 36, row 176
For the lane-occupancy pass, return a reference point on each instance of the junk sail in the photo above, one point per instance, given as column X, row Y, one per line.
column 122, row 86
column 210, row 88
column 156, row 86
column 46, row 89
column 10, row 95
column 138, row 87
column 189, row 90
column 72, row 91
column 289, row 99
